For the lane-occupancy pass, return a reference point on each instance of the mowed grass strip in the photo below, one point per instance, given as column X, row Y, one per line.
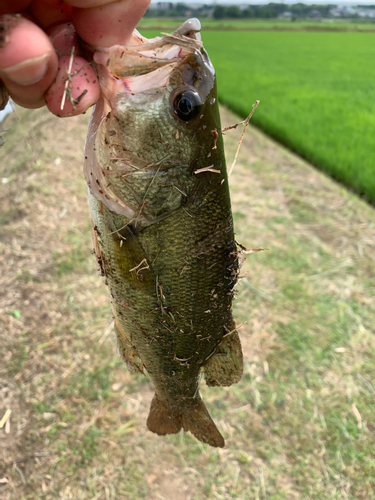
column 78, row 423
column 316, row 92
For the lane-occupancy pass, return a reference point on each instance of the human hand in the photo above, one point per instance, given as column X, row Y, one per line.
column 36, row 48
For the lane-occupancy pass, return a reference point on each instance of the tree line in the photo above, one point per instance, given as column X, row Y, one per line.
column 271, row 10
column 268, row 11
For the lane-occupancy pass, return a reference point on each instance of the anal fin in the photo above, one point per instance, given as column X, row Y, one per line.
column 225, row 367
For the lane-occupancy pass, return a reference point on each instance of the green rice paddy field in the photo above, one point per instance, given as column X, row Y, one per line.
column 317, row 94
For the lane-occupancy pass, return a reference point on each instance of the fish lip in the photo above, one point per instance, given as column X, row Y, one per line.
column 150, row 64
column 191, row 27
column 159, row 50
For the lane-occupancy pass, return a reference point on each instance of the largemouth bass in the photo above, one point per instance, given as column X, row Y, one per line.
column 162, row 222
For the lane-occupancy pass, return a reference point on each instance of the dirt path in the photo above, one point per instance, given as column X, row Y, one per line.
column 77, row 423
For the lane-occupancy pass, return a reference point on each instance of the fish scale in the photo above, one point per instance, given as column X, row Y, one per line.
column 163, row 230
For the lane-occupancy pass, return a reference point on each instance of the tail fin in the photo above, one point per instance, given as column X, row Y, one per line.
column 162, row 419
column 196, row 419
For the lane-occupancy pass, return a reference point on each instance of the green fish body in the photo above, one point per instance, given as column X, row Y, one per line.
column 162, row 223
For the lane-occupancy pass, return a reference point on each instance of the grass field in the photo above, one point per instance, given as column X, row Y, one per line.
column 299, row 426
column 316, row 90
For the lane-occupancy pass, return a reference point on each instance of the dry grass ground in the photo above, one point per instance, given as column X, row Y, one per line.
column 300, row 424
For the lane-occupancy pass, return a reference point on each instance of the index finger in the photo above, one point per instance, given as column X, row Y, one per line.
column 107, row 23
column 100, row 23
column 13, row 6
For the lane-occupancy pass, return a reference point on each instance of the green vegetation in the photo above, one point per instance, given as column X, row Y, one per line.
column 316, row 92
column 316, row 95
column 271, row 10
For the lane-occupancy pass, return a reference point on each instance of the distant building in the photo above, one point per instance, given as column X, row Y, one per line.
column 286, row 15
column 343, row 11
column 161, row 5
column 366, row 13
column 315, row 14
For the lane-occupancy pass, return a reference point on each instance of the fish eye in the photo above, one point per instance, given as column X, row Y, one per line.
column 187, row 105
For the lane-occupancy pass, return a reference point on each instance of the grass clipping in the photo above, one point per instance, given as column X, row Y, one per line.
column 246, row 123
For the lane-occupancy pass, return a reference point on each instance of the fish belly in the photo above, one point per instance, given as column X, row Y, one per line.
column 171, row 286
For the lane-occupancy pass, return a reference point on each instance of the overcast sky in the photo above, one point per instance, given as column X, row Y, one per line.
column 257, row 2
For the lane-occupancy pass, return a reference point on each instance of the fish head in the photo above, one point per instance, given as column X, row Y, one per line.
column 161, row 95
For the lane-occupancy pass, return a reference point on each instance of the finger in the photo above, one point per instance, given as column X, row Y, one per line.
column 3, row 96
column 50, row 12
column 108, row 24
column 28, row 62
column 64, row 38
column 13, row 6
column 75, row 89
column 83, row 89
column 87, row 4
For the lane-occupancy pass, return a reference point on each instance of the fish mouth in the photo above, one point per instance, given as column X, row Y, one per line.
column 146, row 64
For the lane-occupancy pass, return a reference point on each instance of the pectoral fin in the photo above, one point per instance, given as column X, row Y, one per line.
column 131, row 262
